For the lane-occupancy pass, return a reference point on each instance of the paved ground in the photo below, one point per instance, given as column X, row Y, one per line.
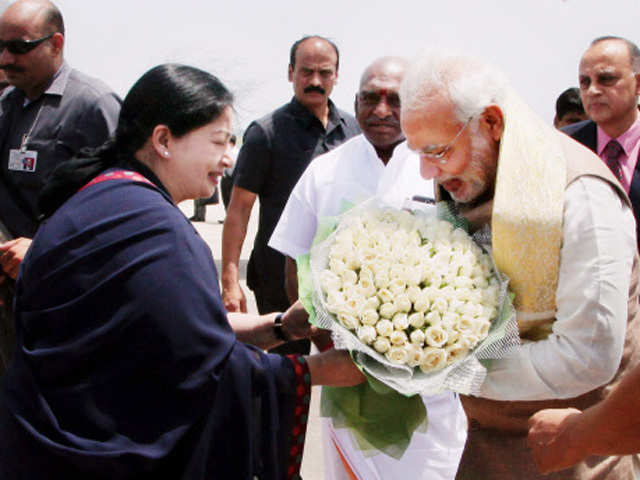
column 211, row 231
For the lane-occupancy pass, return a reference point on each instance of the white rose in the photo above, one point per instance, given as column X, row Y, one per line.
column 372, row 303
column 463, row 282
column 339, row 251
column 354, row 305
column 440, row 305
column 413, row 275
column 388, row 310
column 414, row 292
column 380, row 267
column 385, row 295
column 381, row 281
column 482, row 327
column 421, row 304
column 397, row 286
column 430, row 293
column 416, row 319
column 403, row 303
column 455, row 352
column 468, row 340
column 454, row 336
column 367, row 287
column 337, row 266
column 381, row 344
column 433, row 359
column 369, row 316
column 349, row 277
column 465, row 324
column 417, row 337
column 400, row 321
column 367, row 255
column 367, row 334
column 397, row 355
column 348, row 321
column 414, row 355
column 366, row 271
column 433, row 318
column 398, row 337
column 329, row 281
column 384, row 327
column 435, row 336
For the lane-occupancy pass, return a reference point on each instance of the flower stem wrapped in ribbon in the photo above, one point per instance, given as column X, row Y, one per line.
column 416, row 301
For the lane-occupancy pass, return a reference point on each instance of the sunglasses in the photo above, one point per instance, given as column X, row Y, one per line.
column 20, row 47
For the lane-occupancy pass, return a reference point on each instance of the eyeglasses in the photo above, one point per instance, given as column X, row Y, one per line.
column 372, row 99
column 20, row 47
column 438, row 152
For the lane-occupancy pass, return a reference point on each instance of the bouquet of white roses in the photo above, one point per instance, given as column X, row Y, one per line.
column 414, row 298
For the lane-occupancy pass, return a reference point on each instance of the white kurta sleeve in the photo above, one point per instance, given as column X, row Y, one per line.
column 585, row 348
column 297, row 226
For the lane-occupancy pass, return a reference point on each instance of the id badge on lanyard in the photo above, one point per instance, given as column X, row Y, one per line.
column 23, row 160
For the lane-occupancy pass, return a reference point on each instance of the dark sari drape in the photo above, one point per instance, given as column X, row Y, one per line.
column 126, row 366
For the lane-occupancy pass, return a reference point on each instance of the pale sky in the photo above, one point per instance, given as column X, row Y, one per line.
column 246, row 43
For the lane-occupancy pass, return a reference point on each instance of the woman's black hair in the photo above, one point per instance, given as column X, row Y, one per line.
column 181, row 97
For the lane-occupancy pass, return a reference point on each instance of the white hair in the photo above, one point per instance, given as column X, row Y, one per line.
column 470, row 84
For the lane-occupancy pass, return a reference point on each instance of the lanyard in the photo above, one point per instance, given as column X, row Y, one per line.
column 27, row 136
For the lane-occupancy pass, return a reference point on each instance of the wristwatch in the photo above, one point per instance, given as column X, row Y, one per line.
column 278, row 329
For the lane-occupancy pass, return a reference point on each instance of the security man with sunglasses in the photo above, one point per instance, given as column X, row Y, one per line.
column 49, row 114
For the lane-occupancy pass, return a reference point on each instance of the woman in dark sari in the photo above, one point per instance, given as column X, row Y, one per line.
column 127, row 366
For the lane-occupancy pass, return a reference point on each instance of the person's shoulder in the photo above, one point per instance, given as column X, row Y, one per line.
column 87, row 87
column 579, row 128
column 267, row 120
column 349, row 148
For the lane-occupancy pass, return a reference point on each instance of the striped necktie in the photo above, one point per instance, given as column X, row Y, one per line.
column 612, row 153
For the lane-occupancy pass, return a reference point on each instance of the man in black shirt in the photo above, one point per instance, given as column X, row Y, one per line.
column 276, row 150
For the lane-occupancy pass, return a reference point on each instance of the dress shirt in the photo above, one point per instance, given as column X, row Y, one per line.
column 585, row 348
column 630, row 142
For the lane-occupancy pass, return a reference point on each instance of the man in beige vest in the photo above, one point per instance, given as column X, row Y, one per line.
column 562, row 230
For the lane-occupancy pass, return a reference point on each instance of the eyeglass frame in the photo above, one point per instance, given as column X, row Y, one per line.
column 22, row 47
column 440, row 155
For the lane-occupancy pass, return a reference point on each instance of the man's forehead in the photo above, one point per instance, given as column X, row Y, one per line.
column 315, row 50
column 381, row 84
column 606, row 54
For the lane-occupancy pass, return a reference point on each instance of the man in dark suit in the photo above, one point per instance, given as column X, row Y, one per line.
column 609, row 76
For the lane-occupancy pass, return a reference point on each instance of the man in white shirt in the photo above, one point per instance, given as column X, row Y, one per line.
column 562, row 230
column 375, row 163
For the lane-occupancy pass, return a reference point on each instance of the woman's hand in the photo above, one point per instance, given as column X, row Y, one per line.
column 295, row 323
column 334, row 368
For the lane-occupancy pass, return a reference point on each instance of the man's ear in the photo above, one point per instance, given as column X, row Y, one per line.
column 493, row 118
column 161, row 141
column 290, row 73
column 57, row 41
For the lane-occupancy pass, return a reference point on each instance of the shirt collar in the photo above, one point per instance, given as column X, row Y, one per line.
column 628, row 140
column 304, row 115
column 58, row 83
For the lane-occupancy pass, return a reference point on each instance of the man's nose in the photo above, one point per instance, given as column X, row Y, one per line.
column 382, row 110
column 593, row 89
column 316, row 79
column 6, row 58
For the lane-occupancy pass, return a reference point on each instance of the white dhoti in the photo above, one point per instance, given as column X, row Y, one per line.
column 433, row 455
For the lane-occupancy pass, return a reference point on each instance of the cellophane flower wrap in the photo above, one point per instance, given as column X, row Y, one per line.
column 416, row 300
